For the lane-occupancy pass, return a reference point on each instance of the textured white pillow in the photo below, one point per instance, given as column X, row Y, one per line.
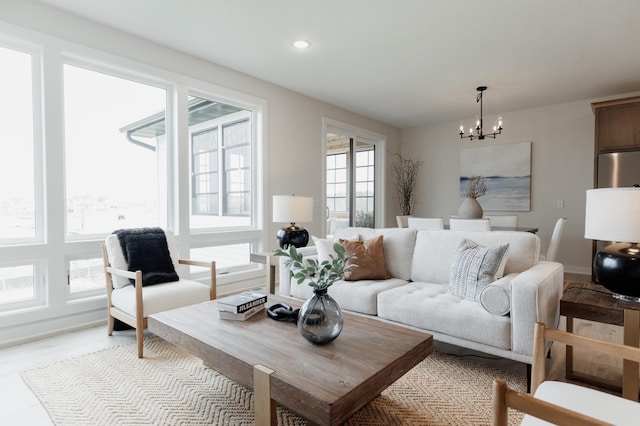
column 325, row 246
column 473, row 268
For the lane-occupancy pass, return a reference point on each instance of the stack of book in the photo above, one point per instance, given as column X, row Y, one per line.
column 241, row 306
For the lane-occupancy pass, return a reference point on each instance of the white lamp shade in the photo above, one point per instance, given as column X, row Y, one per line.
column 292, row 209
column 613, row 214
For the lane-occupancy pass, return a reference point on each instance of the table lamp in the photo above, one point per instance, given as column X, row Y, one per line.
column 291, row 209
column 613, row 214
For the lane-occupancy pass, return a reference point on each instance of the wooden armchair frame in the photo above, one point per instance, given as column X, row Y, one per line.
column 139, row 322
column 504, row 398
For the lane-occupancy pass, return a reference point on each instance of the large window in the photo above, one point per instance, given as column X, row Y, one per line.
column 92, row 144
column 221, row 172
column 112, row 169
column 17, row 191
column 20, row 213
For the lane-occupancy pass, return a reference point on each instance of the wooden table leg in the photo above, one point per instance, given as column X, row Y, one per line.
column 630, row 368
column 264, row 406
column 271, row 275
column 569, row 352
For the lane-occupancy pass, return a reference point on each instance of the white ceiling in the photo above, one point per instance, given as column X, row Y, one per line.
column 404, row 62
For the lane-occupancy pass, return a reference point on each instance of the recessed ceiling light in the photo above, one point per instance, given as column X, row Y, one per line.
column 301, row 44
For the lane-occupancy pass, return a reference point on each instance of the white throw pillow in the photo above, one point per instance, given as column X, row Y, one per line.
column 325, row 246
column 473, row 268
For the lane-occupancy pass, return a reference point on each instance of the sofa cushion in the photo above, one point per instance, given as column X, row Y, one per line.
column 398, row 246
column 434, row 250
column 355, row 296
column 473, row 268
column 161, row 297
column 369, row 262
column 600, row 405
column 431, row 307
column 362, row 295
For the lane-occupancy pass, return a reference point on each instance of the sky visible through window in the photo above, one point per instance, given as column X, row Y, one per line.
column 17, row 210
column 111, row 183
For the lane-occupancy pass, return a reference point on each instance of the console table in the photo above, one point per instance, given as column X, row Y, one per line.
column 267, row 258
column 593, row 302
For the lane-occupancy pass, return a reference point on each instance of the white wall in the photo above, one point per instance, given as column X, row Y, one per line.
column 562, row 153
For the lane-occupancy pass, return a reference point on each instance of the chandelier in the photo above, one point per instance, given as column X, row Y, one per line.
column 479, row 134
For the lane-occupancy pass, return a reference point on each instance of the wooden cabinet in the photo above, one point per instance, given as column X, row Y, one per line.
column 617, row 125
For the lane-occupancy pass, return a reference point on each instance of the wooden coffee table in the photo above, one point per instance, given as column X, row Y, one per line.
column 324, row 384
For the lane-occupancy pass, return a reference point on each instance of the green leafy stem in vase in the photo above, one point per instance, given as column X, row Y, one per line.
column 319, row 275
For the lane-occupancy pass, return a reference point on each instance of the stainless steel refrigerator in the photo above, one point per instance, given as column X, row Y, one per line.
column 618, row 169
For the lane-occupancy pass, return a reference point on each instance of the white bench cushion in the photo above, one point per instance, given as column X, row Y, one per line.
column 593, row 403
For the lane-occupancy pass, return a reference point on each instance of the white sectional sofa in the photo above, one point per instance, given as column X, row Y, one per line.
column 499, row 322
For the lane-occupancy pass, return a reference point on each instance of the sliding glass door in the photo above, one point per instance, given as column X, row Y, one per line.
column 352, row 179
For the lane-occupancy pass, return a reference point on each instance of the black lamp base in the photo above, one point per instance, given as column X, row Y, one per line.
column 293, row 236
column 617, row 267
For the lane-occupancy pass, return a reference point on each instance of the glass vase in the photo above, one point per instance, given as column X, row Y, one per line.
column 320, row 318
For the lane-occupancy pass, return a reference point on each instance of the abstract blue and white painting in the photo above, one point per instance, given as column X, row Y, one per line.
column 507, row 173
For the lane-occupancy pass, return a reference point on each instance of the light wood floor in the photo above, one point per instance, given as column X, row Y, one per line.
column 18, row 406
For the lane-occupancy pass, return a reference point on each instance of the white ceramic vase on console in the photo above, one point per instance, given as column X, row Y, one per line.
column 470, row 209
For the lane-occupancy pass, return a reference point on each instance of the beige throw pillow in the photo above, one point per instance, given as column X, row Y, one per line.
column 369, row 262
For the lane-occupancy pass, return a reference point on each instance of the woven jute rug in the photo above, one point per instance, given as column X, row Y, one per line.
column 170, row 387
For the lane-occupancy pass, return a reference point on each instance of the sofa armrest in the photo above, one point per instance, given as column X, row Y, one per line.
column 535, row 297
column 284, row 274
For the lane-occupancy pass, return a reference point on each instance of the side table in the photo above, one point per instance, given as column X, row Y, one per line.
column 267, row 258
column 593, row 302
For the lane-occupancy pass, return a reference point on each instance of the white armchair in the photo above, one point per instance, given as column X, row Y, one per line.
column 132, row 303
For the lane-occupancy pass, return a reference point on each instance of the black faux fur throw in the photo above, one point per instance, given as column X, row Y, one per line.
column 146, row 249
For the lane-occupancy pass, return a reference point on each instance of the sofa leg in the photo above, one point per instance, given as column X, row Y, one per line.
column 528, row 378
